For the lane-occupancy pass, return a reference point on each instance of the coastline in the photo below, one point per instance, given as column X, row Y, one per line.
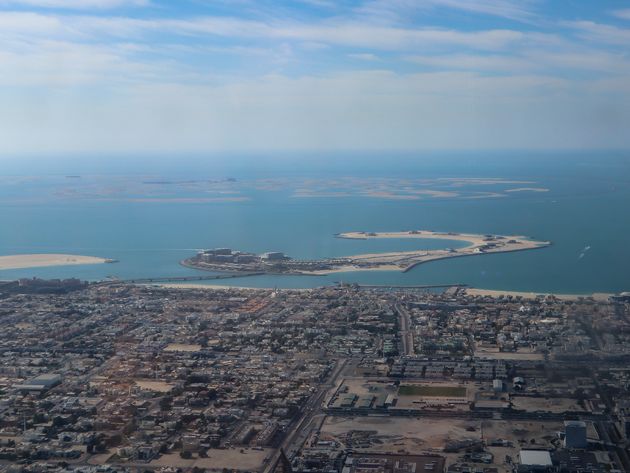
column 406, row 260
column 472, row 238
column 40, row 260
column 175, row 285
column 403, row 261
column 473, row 291
column 469, row 291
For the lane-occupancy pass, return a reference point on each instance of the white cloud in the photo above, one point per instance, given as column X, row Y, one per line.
column 74, row 4
column 390, row 38
column 364, row 56
column 337, row 33
column 601, row 32
column 624, row 14
column 81, row 82
column 531, row 60
column 474, row 62
column 320, row 3
column 64, row 64
column 14, row 24
column 512, row 9
column 399, row 10
column 358, row 110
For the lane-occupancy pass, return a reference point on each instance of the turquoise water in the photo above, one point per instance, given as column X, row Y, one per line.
column 584, row 213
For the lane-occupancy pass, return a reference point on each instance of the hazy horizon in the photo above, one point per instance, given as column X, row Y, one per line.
column 148, row 76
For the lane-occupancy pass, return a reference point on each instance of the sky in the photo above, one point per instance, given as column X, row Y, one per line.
column 149, row 76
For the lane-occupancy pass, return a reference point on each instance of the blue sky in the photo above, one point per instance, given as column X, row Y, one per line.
column 93, row 76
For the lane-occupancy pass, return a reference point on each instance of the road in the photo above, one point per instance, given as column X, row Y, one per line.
column 298, row 433
column 406, row 337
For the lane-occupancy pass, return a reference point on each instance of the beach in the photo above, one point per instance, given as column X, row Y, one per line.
column 597, row 296
column 472, row 238
column 169, row 285
column 405, row 260
column 470, row 291
column 46, row 259
column 351, row 268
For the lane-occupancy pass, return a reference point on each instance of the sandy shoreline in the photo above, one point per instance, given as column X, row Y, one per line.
column 388, row 261
column 473, row 238
column 350, row 269
column 406, row 260
column 183, row 285
column 178, row 285
column 597, row 296
column 45, row 260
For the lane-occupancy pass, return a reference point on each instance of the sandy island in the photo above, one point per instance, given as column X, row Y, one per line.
column 49, row 259
column 387, row 261
column 405, row 260
column 473, row 238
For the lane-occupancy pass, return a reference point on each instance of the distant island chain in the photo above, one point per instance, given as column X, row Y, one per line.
column 234, row 261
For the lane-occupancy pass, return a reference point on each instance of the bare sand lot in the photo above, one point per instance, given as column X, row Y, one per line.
column 245, row 459
column 157, row 386
column 597, row 296
column 521, row 433
column 395, row 435
column 392, row 434
column 553, row 404
column 48, row 259
column 176, row 285
column 184, row 347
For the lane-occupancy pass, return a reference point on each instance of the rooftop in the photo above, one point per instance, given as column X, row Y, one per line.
column 535, row 457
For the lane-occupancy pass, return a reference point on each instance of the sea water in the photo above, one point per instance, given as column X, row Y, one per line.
column 149, row 213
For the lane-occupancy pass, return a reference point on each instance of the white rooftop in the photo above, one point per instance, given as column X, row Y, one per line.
column 535, row 457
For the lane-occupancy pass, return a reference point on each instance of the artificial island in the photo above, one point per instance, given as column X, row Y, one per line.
column 228, row 260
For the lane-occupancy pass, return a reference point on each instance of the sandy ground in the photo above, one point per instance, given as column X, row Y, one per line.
column 528, row 189
column 172, row 285
column 557, row 405
column 404, row 260
column 411, row 434
column 157, row 386
column 418, row 435
column 473, row 238
column 218, row 459
column 183, row 347
column 598, row 296
column 351, row 268
column 520, row 431
column 40, row 260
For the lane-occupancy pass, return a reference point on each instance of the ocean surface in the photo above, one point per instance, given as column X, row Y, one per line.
column 151, row 212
